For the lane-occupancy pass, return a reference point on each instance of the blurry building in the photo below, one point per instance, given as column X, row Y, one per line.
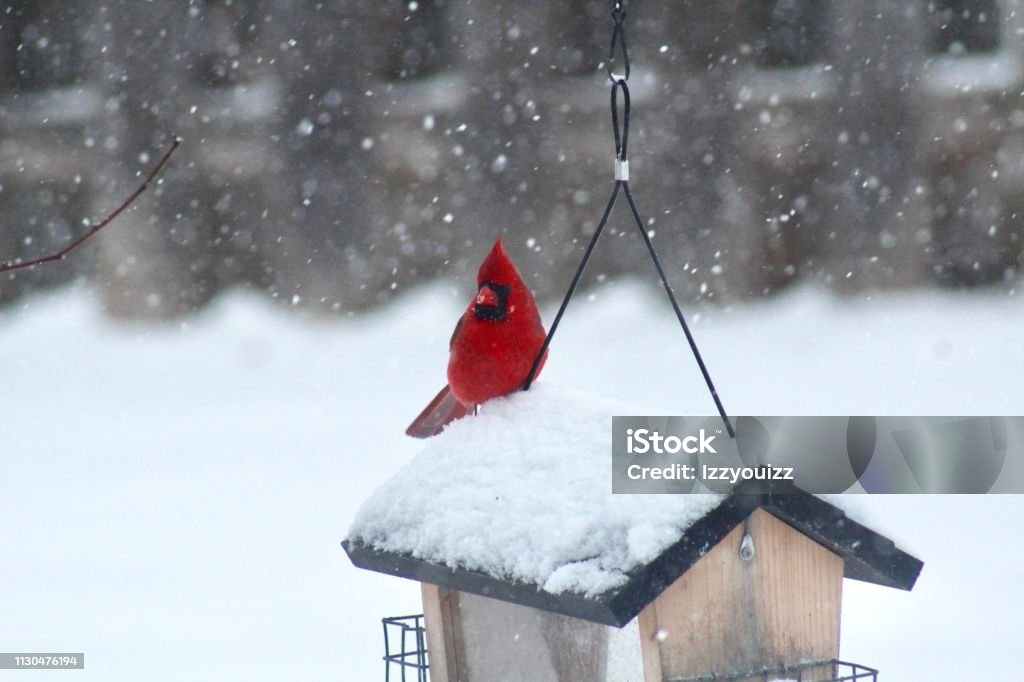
column 337, row 153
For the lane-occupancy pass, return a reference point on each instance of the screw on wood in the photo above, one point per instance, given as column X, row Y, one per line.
column 747, row 548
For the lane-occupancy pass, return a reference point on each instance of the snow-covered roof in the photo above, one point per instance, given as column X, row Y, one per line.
column 523, row 492
column 517, row 503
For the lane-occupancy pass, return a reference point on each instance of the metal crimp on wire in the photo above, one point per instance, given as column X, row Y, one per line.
column 621, row 170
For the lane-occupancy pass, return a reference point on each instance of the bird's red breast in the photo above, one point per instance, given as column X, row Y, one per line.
column 498, row 337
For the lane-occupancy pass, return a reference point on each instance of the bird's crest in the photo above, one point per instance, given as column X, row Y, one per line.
column 498, row 267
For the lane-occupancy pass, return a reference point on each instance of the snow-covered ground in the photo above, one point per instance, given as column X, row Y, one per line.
column 172, row 498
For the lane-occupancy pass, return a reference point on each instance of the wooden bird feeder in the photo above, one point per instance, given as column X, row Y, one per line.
column 707, row 610
column 750, row 589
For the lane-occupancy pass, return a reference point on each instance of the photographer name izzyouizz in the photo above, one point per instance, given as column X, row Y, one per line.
column 643, row 441
column 688, row 472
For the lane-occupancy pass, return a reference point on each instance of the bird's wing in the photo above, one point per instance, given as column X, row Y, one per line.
column 442, row 410
column 455, row 332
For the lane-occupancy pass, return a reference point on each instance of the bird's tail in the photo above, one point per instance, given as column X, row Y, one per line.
column 442, row 410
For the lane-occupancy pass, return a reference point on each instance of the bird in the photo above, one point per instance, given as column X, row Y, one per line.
column 494, row 345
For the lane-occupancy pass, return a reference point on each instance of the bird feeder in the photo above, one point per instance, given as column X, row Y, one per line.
column 528, row 562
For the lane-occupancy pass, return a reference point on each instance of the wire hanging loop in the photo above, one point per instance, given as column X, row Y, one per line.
column 619, row 83
column 618, row 40
column 621, row 133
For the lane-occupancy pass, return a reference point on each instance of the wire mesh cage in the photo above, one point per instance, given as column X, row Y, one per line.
column 808, row 671
column 405, row 648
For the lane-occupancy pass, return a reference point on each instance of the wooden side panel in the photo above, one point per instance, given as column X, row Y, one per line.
column 444, row 637
column 649, row 646
column 798, row 595
column 728, row 615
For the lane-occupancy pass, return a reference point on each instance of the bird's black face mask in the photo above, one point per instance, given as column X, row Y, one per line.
column 491, row 302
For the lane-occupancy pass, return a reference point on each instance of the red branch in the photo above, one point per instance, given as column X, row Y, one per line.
column 60, row 255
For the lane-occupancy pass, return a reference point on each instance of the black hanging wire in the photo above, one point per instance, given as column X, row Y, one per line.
column 621, row 133
column 618, row 39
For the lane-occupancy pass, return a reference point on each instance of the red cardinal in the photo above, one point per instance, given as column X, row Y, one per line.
column 493, row 347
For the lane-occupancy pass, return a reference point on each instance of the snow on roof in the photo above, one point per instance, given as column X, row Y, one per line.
column 522, row 492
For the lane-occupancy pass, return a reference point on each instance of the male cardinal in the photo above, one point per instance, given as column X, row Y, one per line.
column 492, row 348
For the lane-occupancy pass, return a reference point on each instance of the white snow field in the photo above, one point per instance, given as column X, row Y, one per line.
column 172, row 498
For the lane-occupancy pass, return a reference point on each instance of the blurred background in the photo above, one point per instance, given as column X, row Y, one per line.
column 339, row 153
column 195, row 404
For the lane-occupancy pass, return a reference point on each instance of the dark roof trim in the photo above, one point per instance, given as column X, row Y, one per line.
column 868, row 557
column 405, row 566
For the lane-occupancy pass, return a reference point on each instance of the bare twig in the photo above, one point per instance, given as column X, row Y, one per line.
column 60, row 255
